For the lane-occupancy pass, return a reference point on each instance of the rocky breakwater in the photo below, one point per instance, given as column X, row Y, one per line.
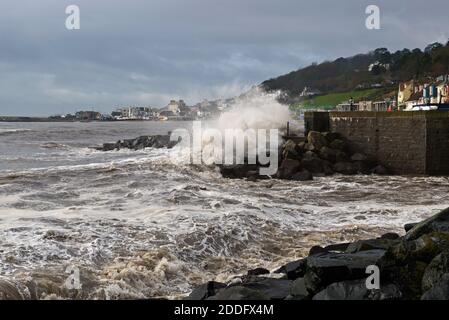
column 142, row 142
column 412, row 267
column 320, row 154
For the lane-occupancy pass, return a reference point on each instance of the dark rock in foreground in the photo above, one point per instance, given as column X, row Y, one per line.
column 415, row 266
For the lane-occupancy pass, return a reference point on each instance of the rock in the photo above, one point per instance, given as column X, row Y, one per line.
column 344, row 290
column 435, row 271
column 291, row 150
column 327, row 153
column 338, row 144
column 313, row 165
column 258, row 272
column 316, row 250
column 390, row 236
column 438, row 222
column 425, row 248
column 439, row 291
column 238, row 293
column 363, row 245
column 288, row 168
column 205, row 290
column 239, row 171
column 331, row 136
column 294, row 269
column 340, row 156
column 298, row 288
column 326, row 268
column 358, row 157
column 310, row 147
column 356, row 290
column 380, row 170
column 362, row 167
column 339, row 247
column 345, row 168
column 303, row 175
column 405, row 263
column 409, row 226
column 56, row 236
column 142, row 142
column 109, row 147
column 317, row 140
column 257, row 289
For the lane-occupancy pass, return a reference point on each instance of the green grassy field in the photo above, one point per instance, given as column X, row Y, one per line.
column 329, row 101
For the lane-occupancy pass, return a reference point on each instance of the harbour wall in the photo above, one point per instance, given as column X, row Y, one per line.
column 404, row 142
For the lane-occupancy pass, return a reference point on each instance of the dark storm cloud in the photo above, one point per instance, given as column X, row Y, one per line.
column 146, row 52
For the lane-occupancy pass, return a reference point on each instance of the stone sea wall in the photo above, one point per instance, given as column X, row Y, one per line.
column 404, row 142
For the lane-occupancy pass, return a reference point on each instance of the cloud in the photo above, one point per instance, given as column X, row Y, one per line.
column 146, row 52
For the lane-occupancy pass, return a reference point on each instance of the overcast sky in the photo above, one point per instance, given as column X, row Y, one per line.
column 139, row 52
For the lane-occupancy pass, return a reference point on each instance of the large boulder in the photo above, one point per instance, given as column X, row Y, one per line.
column 257, row 272
column 298, row 289
column 142, row 142
column 206, row 290
column 288, row 168
column 363, row 245
column 438, row 222
column 359, row 157
column 338, row 144
column 239, row 171
column 294, row 269
column 313, row 164
column 326, row 268
column 332, row 136
column 345, row 168
column 356, row 290
column 328, row 154
column 290, row 150
column 405, row 263
column 379, row 170
column 435, row 271
column 338, row 247
column 258, row 288
column 317, row 140
column 303, row 175
column 440, row 291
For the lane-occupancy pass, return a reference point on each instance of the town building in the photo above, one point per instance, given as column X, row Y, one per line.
column 308, row 92
column 88, row 115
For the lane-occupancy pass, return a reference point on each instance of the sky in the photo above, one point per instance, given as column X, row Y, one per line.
column 145, row 53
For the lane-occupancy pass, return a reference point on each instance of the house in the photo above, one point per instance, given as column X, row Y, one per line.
column 406, row 90
column 173, row 106
column 416, row 98
column 308, row 92
column 87, row 115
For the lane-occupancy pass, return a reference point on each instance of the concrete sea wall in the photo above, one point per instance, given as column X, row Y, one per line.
column 404, row 142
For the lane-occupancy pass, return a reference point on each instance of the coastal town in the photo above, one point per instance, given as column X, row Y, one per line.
column 412, row 95
column 175, row 110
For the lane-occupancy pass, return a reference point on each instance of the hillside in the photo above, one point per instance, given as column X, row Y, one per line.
column 352, row 77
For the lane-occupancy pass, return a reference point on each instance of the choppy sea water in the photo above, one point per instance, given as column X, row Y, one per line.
column 138, row 226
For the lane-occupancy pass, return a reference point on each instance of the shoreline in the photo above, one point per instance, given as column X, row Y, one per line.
column 390, row 267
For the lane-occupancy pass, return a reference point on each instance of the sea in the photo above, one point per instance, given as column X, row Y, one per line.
column 85, row 224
